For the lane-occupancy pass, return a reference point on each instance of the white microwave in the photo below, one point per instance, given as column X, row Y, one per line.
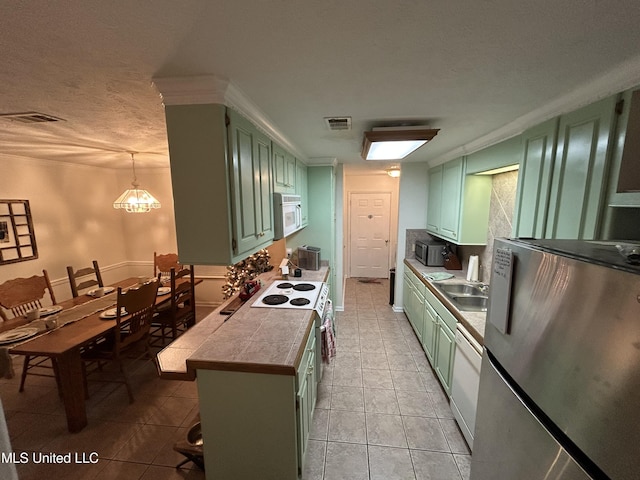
column 287, row 214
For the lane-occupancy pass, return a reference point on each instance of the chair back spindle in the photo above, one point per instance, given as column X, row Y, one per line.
column 20, row 295
column 74, row 275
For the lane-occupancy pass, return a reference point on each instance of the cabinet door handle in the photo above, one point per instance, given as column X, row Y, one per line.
column 310, row 370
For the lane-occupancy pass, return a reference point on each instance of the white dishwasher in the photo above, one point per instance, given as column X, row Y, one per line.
column 465, row 382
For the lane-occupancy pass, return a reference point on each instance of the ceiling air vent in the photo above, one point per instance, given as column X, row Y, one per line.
column 338, row 123
column 30, row 117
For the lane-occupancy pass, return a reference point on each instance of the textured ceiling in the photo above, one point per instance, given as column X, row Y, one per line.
column 478, row 70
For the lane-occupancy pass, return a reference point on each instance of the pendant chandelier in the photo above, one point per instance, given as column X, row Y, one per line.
column 136, row 200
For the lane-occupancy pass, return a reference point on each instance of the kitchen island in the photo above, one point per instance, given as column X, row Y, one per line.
column 256, row 385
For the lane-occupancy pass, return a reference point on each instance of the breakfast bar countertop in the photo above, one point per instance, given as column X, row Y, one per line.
column 474, row 322
column 259, row 340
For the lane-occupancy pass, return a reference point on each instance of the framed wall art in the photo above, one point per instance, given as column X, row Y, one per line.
column 17, row 238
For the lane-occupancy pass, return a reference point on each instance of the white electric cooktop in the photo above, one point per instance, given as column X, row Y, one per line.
column 290, row 294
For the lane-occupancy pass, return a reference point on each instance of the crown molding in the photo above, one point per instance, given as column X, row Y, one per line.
column 618, row 80
column 322, row 162
column 203, row 89
column 194, row 90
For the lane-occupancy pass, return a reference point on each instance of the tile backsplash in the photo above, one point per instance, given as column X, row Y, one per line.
column 412, row 236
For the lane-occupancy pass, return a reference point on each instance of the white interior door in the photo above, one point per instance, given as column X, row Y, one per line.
column 369, row 231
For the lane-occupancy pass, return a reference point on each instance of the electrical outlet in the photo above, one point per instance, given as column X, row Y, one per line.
column 413, row 247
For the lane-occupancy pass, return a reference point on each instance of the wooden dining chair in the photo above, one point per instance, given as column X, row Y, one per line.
column 163, row 263
column 131, row 331
column 19, row 296
column 180, row 313
column 94, row 281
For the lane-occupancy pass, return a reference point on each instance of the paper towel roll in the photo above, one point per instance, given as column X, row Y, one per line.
column 472, row 271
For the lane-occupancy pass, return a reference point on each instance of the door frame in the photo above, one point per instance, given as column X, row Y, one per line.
column 392, row 226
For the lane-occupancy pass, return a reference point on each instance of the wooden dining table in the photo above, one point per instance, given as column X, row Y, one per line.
column 63, row 345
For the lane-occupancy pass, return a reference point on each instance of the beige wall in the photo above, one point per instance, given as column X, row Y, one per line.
column 75, row 223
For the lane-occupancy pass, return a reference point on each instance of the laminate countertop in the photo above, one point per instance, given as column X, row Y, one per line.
column 258, row 340
column 473, row 322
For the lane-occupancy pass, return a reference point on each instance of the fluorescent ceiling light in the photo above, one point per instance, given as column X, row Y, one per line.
column 495, row 171
column 394, row 143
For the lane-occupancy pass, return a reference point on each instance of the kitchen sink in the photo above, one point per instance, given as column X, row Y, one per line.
column 460, row 289
column 470, row 303
column 466, row 297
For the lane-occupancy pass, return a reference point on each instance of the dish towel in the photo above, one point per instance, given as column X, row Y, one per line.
column 328, row 335
column 437, row 276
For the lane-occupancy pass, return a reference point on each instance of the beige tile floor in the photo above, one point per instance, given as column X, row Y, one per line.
column 381, row 412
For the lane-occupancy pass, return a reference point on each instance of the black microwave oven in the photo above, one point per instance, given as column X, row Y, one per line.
column 431, row 254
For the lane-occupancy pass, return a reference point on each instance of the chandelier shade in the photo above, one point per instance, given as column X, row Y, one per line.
column 136, row 200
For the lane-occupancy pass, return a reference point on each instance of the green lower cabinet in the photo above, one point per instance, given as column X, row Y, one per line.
column 434, row 325
column 413, row 301
column 445, row 349
column 306, row 398
column 407, row 292
column 304, row 423
column 417, row 310
column 430, row 332
column 249, row 424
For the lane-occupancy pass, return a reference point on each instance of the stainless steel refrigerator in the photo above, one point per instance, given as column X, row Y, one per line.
column 560, row 380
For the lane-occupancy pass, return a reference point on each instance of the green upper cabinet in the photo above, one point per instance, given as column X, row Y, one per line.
column 302, row 189
column 221, row 180
column 251, row 181
column 458, row 204
column 452, row 175
column 578, row 182
column 284, row 170
column 290, row 167
column 279, row 169
column 625, row 170
column 534, row 180
column 435, row 198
